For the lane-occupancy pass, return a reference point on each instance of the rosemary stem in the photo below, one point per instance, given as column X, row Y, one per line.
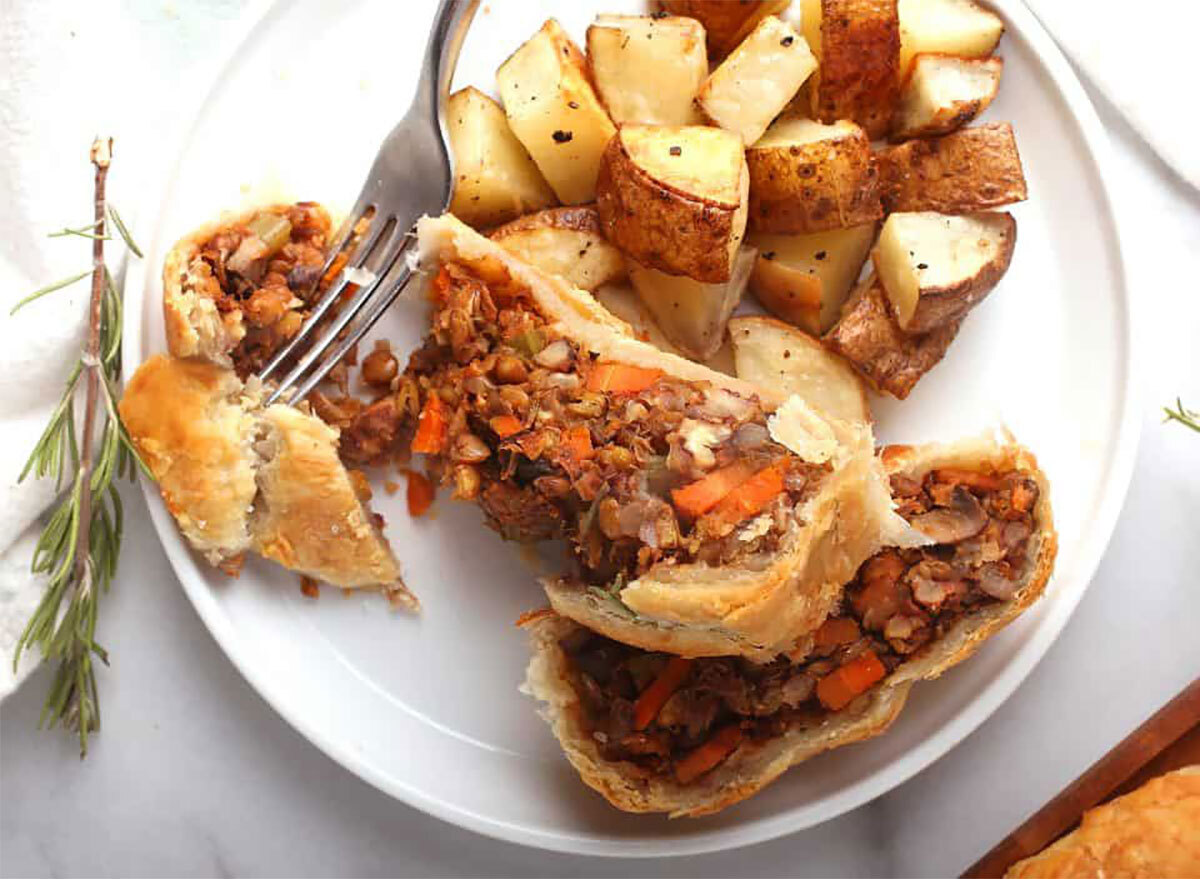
column 101, row 156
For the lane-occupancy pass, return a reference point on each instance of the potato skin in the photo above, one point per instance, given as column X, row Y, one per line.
column 726, row 22
column 860, row 63
column 868, row 336
column 661, row 227
column 574, row 218
column 938, row 306
column 969, row 170
column 813, row 187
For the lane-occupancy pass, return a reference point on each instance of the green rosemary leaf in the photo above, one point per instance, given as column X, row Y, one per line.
column 78, row 553
column 119, row 224
column 70, row 230
column 38, row 294
column 81, row 233
column 110, row 345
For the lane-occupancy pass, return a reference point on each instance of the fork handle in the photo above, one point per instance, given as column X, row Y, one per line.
column 441, row 55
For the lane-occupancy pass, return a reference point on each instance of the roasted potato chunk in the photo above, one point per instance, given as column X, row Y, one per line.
column 494, row 178
column 775, row 355
column 648, row 69
column 567, row 242
column 968, row 170
column 961, row 28
column 625, row 304
column 757, row 80
column 692, row 314
column 944, row 93
column 935, row 268
column 804, row 279
column 808, row 177
column 889, row 359
column 858, row 44
column 674, row 198
column 726, row 22
column 554, row 112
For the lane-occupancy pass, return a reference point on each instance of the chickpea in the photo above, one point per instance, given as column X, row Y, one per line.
column 380, row 367
column 267, row 306
column 510, row 370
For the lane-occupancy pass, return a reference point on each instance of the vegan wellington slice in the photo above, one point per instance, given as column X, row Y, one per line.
column 700, row 513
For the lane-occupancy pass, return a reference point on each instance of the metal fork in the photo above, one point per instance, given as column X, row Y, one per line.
column 411, row 176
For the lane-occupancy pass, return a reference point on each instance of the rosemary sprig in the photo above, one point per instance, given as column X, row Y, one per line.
column 81, row 542
column 1187, row 417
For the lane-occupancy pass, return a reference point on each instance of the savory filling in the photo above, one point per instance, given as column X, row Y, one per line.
column 683, row 717
column 269, row 268
column 632, row 466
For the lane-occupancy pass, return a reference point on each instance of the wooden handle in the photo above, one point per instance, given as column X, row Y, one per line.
column 1103, row 778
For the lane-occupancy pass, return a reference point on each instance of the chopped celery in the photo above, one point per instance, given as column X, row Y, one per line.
column 529, row 342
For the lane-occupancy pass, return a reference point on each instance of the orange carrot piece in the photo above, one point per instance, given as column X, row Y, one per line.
column 835, row 631
column 655, row 696
column 431, row 427
column 577, row 444
column 838, row 688
column 697, row 498
column 709, row 755
column 505, row 425
column 621, row 378
column 419, row 494
column 1022, row 497
column 441, row 284
column 753, row 495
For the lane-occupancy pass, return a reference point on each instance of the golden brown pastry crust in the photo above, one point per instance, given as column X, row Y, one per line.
column 193, row 425
column 753, row 766
column 749, row 769
column 1152, row 832
column 756, row 609
column 309, row 517
column 965, row 637
column 238, row 477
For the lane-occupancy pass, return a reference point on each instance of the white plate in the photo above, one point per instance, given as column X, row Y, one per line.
column 427, row 708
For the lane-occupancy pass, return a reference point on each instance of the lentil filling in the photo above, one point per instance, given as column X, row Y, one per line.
column 680, row 717
column 269, row 267
column 632, row 466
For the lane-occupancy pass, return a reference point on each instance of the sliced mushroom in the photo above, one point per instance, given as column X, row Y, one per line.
column 963, row 518
column 934, row 593
column 993, row 581
column 882, row 594
column 798, row 689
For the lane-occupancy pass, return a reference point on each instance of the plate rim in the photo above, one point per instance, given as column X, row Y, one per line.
column 1092, row 547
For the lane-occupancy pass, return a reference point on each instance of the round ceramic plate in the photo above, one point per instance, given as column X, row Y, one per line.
column 427, row 707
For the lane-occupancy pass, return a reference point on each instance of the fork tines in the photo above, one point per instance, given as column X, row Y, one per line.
column 378, row 264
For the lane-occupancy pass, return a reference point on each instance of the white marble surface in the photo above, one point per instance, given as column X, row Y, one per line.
column 194, row 775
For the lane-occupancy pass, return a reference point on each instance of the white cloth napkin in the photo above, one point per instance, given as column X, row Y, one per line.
column 1139, row 56
column 74, row 70
column 69, row 71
